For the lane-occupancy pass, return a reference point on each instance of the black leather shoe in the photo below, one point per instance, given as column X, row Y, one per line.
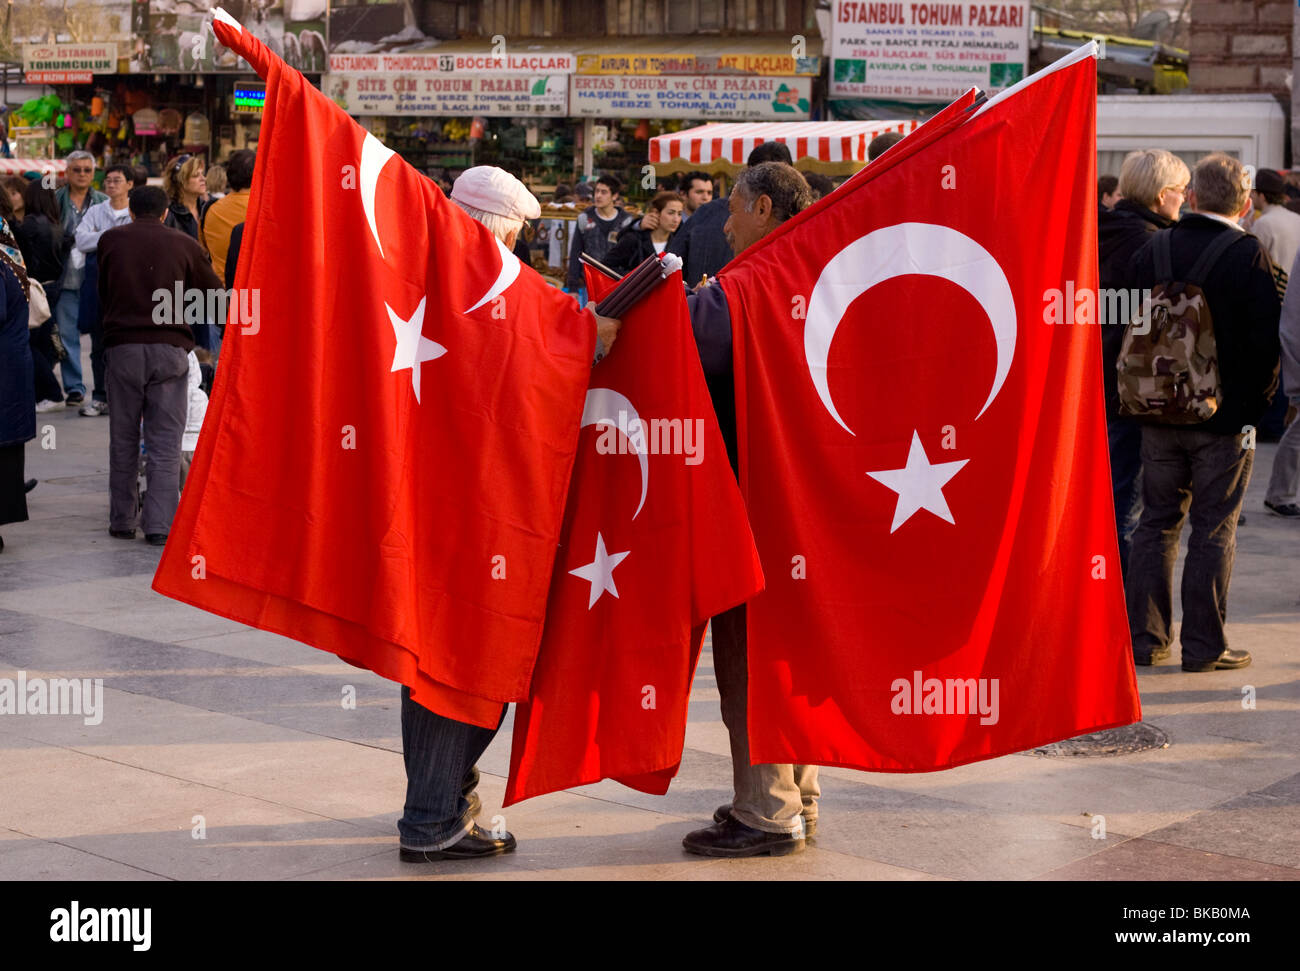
column 156, row 539
column 1227, row 661
column 29, row 485
column 122, row 533
column 1155, row 657
column 723, row 813
column 475, row 844
column 733, row 838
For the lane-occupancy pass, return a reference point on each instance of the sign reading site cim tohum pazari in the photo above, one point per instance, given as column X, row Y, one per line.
column 67, row 63
column 927, row 51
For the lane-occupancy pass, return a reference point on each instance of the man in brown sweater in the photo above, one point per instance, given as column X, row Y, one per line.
column 148, row 276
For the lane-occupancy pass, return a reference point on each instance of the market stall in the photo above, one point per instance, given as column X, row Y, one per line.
column 830, row 147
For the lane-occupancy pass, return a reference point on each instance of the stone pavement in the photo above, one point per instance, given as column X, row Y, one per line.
column 205, row 717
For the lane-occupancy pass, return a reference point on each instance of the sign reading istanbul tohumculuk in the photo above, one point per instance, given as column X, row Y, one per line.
column 70, row 58
column 927, row 51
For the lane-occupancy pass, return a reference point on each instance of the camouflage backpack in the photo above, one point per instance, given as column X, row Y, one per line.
column 1169, row 361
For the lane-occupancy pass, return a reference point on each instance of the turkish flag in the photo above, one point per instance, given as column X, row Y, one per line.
column 383, row 468
column 654, row 543
column 924, row 458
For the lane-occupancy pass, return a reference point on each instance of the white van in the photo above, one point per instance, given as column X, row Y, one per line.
column 1249, row 127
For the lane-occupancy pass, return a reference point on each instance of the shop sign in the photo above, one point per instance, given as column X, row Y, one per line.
column 59, row 77
column 927, row 51
column 698, row 96
column 523, row 62
column 413, row 94
column 775, row 65
column 79, row 59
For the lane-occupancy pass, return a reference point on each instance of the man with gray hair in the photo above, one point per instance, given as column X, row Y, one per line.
column 438, row 822
column 74, row 198
column 1209, row 462
column 775, row 806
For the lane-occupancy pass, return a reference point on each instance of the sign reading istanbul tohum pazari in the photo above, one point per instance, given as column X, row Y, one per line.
column 927, row 51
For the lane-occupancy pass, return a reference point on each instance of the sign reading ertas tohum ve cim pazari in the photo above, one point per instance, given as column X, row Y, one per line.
column 927, row 51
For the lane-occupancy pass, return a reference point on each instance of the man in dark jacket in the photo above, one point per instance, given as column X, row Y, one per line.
column 151, row 280
column 700, row 242
column 775, row 806
column 1152, row 184
column 597, row 228
column 1210, row 461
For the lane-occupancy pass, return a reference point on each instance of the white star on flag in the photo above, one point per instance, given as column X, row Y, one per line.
column 919, row 485
column 600, row 571
column 413, row 348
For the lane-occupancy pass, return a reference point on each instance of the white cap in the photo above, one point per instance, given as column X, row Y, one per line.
column 495, row 190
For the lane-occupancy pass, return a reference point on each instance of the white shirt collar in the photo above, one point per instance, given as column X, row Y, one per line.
column 1223, row 219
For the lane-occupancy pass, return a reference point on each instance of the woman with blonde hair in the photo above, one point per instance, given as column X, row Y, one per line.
column 186, row 185
column 1153, row 184
column 216, row 179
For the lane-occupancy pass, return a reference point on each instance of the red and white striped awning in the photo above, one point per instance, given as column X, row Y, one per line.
column 17, row 166
column 825, row 141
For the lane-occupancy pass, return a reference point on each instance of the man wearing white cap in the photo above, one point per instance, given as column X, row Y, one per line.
column 501, row 202
column 440, row 753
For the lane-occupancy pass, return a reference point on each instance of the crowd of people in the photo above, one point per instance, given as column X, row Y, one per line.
column 86, row 262
column 1179, row 235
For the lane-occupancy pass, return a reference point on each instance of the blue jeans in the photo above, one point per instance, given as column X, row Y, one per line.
column 440, row 775
column 1124, row 435
column 65, row 312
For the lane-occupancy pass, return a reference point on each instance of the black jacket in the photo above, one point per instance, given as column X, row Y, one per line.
column 632, row 247
column 42, row 244
column 700, row 242
column 17, row 384
column 232, row 259
column 1244, row 304
column 711, row 323
column 178, row 217
column 1121, row 232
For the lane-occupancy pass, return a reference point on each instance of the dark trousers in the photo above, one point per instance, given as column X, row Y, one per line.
column 13, row 495
column 44, row 357
column 441, row 775
column 1124, row 435
column 1186, row 474
column 91, row 321
column 149, row 381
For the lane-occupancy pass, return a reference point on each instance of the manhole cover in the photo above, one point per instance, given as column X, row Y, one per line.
column 1113, row 741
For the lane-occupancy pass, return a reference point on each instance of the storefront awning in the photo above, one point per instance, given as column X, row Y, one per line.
column 818, row 145
column 17, row 166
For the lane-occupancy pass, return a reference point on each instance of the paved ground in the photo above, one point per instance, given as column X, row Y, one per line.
column 207, row 718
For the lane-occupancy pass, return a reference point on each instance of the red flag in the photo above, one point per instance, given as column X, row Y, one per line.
column 383, row 469
column 924, row 458
column 654, row 543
